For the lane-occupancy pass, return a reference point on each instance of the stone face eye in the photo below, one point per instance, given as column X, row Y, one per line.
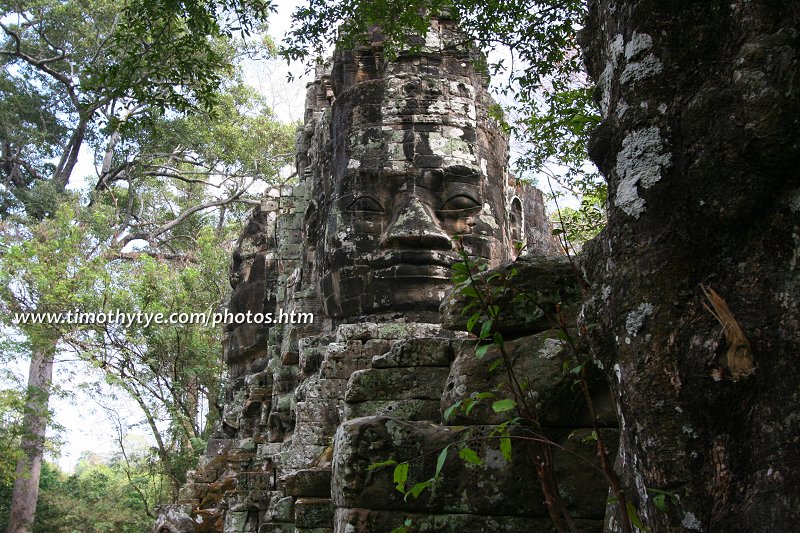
column 459, row 202
column 365, row 204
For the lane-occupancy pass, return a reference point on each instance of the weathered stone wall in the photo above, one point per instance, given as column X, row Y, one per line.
column 395, row 159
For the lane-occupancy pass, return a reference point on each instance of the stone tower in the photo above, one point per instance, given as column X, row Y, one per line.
column 396, row 159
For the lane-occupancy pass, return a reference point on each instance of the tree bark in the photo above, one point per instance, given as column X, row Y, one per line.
column 70, row 155
column 26, row 485
column 699, row 144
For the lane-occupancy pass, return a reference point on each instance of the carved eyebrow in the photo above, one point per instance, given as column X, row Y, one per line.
column 365, row 203
column 462, row 200
column 460, row 174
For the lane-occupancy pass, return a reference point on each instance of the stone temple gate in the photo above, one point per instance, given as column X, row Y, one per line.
column 395, row 160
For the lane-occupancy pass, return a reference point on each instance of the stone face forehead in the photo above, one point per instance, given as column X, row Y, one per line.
column 403, row 123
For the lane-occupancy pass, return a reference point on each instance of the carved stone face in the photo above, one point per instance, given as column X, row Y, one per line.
column 408, row 174
column 388, row 239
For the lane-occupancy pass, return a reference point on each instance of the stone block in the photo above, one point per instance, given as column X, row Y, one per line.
column 340, row 368
column 238, row 522
column 579, row 486
column 313, row 513
column 318, row 414
column 407, row 330
column 404, row 409
column 375, row 347
column 275, row 527
column 527, row 300
column 415, row 352
column 496, row 488
column 396, row 384
column 326, row 388
column 281, row 509
column 314, row 482
column 368, row 520
column 363, row 331
column 538, row 361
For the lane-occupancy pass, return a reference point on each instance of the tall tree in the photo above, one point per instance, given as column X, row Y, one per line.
column 39, row 274
column 76, row 260
column 77, row 71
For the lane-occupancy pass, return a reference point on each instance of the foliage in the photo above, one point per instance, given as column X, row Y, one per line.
column 153, row 89
column 98, row 498
column 76, row 71
column 171, row 371
column 12, row 404
column 553, row 111
column 575, row 227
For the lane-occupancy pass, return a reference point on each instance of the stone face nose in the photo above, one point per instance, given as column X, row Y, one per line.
column 416, row 227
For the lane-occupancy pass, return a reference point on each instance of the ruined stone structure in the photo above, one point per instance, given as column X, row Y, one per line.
column 395, row 160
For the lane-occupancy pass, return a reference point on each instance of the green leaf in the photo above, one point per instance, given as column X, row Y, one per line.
column 471, row 406
column 375, row 466
column 505, row 447
column 660, row 501
column 592, row 437
column 440, row 461
column 495, row 365
column 450, row 410
column 497, row 338
column 460, row 267
column 634, row 516
column 481, row 350
column 486, row 328
column 501, row 406
column 472, row 320
column 400, row 476
column 469, row 455
column 469, row 290
column 458, row 278
column 417, row 489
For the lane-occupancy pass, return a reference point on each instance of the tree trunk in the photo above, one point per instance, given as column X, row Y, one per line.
column 699, row 144
column 70, row 156
column 29, row 467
